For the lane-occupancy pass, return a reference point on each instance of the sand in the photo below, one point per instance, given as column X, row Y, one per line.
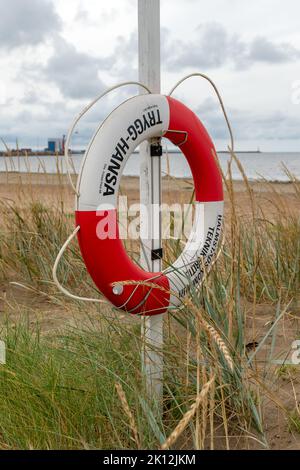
column 52, row 189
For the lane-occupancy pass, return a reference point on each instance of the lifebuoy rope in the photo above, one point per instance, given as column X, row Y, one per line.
column 202, row 75
column 81, row 114
column 123, row 283
column 54, row 272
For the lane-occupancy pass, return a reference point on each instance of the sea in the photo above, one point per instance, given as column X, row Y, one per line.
column 270, row 166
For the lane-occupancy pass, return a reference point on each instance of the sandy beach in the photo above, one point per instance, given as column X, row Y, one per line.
column 50, row 189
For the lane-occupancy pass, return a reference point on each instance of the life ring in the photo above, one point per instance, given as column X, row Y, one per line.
column 139, row 118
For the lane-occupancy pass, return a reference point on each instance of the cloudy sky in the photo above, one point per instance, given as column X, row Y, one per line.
column 56, row 55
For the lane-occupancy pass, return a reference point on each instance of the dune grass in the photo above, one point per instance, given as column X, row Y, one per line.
column 81, row 386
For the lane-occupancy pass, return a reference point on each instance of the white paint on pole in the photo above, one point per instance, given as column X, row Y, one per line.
column 150, row 191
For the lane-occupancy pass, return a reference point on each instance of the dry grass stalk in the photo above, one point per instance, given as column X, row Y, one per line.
column 224, row 415
column 214, row 335
column 211, row 415
column 220, row 343
column 188, row 416
column 129, row 414
column 204, row 410
column 199, row 357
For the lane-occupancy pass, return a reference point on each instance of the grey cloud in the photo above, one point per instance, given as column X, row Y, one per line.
column 125, row 57
column 127, row 48
column 82, row 15
column 208, row 51
column 26, row 22
column 263, row 50
column 215, row 47
column 88, row 17
column 212, row 47
column 75, row 73
column 31, row 96
column 42, row 117
column 247, row 125
column 32, row 123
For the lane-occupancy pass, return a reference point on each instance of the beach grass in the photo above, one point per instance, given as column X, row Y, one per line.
column 80, row 385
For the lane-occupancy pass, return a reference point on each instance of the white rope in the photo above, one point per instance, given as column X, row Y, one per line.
column 80, row 115
column 54, row 272
column 139, row 283
column 202, row 75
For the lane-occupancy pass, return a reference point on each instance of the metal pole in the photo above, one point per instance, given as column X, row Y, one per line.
column 150, row 192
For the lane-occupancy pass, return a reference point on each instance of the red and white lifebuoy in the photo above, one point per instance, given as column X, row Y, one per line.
column 139, row 118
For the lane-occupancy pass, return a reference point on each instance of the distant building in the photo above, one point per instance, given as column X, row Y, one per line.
column 55, row 145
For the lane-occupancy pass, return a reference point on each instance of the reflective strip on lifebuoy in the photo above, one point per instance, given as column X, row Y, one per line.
column 139, row 118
